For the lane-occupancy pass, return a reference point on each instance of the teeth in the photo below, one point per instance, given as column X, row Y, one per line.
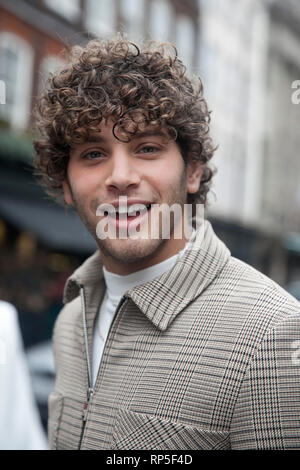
column 135, row 209
column 122, row 210
column 133, row 212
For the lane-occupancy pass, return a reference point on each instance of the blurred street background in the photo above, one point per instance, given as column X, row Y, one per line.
column 247, row 55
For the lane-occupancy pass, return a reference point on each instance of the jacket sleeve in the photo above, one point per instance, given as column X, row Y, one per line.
column 267, row 411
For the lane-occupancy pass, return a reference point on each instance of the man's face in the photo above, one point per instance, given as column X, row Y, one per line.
column 147, row 170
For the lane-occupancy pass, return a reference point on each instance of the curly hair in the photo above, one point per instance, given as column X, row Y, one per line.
column 115, row 79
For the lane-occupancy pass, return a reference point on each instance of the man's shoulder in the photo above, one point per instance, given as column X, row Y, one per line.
column 252, row 290
column 68, row 315
column 250, row 277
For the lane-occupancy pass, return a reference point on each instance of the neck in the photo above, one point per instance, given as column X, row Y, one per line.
column 164, row 251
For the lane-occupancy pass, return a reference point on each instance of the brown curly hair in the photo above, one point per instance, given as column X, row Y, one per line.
column 133, row 86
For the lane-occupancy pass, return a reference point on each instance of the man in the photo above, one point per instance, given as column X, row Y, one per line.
column 165, row 341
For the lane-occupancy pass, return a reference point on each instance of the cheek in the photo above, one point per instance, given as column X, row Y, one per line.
column 167, row 174
column 83, row 182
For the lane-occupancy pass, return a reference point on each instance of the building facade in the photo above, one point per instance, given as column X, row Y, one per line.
column 249, row 60
column 233, row 54
column 281, row 195
column 33, row 34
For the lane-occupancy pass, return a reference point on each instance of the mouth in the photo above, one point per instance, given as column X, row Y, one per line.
column 133, row 211
column 131, row 217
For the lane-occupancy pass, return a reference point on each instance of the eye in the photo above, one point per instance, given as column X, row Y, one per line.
column 148, row 149
column 93, row 155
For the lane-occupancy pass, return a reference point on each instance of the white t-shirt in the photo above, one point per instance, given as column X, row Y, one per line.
column 117, row 285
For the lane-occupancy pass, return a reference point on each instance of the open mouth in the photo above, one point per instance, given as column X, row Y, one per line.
column 128, row 217
column 132, row 212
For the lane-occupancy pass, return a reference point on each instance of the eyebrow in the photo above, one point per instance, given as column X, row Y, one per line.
column 95, row 138
column 150, row 133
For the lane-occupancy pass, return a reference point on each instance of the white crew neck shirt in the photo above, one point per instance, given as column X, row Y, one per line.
column 116, row 286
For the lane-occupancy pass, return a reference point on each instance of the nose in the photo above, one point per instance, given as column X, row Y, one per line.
column 122, row 173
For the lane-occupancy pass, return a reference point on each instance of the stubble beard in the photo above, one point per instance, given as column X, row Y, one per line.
column 129, row 251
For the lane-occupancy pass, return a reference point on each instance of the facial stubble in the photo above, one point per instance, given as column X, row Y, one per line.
column 130, row 251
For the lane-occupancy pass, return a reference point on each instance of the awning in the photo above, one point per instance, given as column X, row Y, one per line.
column 55, row 227
column 15, row 147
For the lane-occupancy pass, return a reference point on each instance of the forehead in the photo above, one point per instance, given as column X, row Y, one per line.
column 111, row 132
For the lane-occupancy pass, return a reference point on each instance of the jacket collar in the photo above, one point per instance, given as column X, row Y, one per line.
column 163, row 298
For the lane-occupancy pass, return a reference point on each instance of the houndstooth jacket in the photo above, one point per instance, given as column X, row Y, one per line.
column 202, row 357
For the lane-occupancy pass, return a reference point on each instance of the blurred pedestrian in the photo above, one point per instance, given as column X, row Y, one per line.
column 20, row 425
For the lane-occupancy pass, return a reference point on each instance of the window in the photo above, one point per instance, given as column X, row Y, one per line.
column 132, row 12
column 185, row 39
column 16, row 59
column 70, row 9
column 160, row 20
column 100, row 16
column 9, row 64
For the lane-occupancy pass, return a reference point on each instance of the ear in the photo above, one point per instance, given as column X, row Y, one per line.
column 193, row 176
column 67, row 193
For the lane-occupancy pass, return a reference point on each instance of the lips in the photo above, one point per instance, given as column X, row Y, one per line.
column 133, row 211
column 131, row 219
column 123, row 213
column 125, row 207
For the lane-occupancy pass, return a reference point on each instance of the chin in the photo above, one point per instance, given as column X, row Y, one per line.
column 129, row 251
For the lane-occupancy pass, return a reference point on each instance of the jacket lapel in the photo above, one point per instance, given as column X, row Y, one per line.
column 163, row 298
column 90, row 276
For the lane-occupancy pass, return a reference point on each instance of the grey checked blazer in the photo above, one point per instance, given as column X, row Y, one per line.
column 202, row 357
